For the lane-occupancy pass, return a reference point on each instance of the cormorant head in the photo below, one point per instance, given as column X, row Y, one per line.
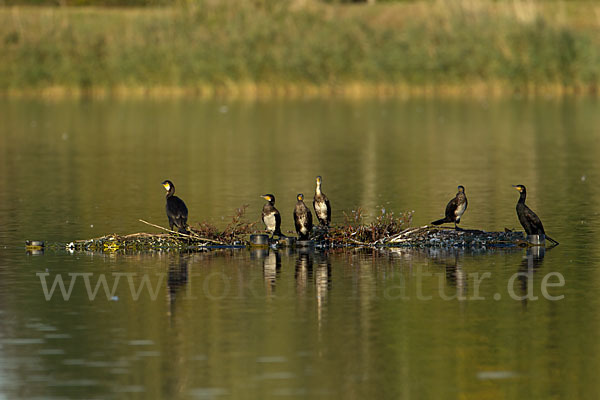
column 319, row 180
column 300, row 197
column 520, row 188
column 168, row 185
column 268, row 197
column 461, row 189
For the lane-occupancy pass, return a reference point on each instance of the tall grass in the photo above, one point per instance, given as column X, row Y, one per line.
column 227, row 46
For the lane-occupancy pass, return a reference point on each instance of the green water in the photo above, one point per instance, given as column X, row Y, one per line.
column 438, row 323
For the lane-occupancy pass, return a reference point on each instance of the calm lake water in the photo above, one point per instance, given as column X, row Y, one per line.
column 352, row 324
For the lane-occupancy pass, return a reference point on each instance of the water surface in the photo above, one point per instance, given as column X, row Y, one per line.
column 438, row 323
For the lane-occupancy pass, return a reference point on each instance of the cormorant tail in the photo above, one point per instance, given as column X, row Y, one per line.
column 440, row 221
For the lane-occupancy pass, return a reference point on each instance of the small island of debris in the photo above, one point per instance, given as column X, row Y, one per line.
column 387, row 230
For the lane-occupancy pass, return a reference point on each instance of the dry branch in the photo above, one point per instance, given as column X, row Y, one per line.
column 192, row 236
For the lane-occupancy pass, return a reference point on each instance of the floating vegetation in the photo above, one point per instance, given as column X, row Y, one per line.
column 355, row 231
column 202, row 235
column 234, row 233
column 132, row 242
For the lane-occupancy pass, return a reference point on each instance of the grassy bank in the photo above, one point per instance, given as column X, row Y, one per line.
column 277, row 48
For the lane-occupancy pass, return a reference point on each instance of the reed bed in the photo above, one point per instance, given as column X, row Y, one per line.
column 274, row 48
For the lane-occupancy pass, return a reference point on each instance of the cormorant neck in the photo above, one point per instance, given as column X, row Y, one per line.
column 171, row 192
column 522, row 197
column 318, row 189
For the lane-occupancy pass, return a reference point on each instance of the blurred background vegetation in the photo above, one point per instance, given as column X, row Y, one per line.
column 134, row 3
column 203, row 47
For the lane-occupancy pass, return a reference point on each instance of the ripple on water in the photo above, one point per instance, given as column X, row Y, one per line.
column 271, row 359
column 496, row 375
column 74, row 383
column 290, row 392
column 141, row 342
column 130, row 389
column 51, row 352
column 22, row 341
column 119, row 371
column 149, row 353
column 271, row 376
column 208, row 393
column 57, row 336
column 74, row 361
column 41, row 327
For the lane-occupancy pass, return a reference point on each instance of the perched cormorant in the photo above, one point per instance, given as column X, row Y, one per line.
column 270, row 216
column 455, row 208
column 177, row 212
column 528, row 219
column 321, row 205
column 302, row 218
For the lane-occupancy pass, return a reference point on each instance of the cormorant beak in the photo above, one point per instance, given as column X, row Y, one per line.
column 517, row 187
column 166, row 186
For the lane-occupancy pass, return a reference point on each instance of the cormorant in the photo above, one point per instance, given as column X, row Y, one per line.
column 321, row 205
column 455, row 208
column 270, row 215
column 302, row 218
column 528, row 219
column 177, row 212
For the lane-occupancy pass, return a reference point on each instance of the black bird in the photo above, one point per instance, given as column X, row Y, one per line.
column 271, row 216
column 528, row 219
column 302, row 218
column 455, row 208
column 177, row 212
column 321, row 205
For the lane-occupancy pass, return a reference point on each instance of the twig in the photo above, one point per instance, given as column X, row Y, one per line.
column 183, row 234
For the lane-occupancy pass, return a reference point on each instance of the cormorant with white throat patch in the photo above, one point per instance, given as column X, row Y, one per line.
column 321, row 205
column 302, row 218
column 454, row 209
column 271, row 216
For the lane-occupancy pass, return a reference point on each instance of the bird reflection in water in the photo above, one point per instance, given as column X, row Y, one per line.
column 304, row 270
column 322, row 283
column 271, row 260
column 322, row 275
column 177, row 278
column 533, row 260
column 456, row 276
column 271, row 269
